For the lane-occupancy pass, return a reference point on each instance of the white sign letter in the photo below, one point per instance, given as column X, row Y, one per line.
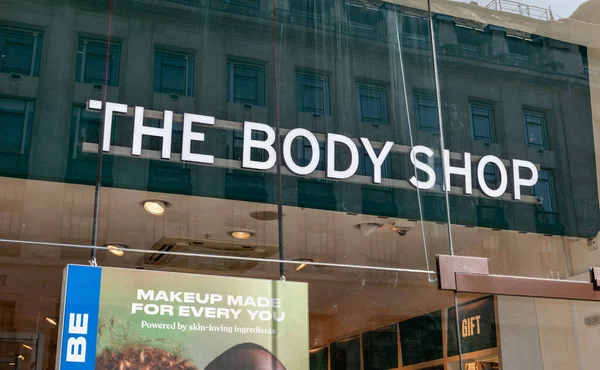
column 451, row 170
column 189, row 136
column 108, row 116
column 139, row 130
column 490, row 159
column 516, row 165
column 332, row 139
column 287, row 151
column 76, row 349
column 78, row 323
column 250, row 143
column 377, row 161
column 423, row 167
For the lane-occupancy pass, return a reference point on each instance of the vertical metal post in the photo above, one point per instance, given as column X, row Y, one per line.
column 277, row 140
column 98, row 186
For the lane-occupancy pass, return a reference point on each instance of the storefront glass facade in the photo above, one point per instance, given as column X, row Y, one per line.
column 342, row 143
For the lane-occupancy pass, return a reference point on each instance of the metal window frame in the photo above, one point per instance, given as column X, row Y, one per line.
column 302, row 76
column 542, row 125
column 35, row 47
column 188, row 59
column 232, row 67
column 491, row 123
column 423, row 96
column 379, row 89
column 471, row 275
column 114, row 50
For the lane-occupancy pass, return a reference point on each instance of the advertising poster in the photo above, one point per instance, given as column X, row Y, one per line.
column 136, row 319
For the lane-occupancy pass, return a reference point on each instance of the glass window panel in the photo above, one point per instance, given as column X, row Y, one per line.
column 313, row 93
column 426, row 112
column 246, row 83
column 482, row 119
column 535, row 127
column 19, row 52
column 92, row 62
column 535, row 136
column 250, row 4
column 173, row 73
column 372, row 104
column 15, row 122
column 544, row 189
column 18, row 56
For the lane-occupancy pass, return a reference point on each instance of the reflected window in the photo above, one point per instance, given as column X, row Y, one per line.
column 491, row 176
column 16, row 119
column 482, row 120
column 472, row 40
column 415, row 32
column 366, row 167
column 183, row 2
column 312, row 93
column 584, row 59
column 92, row 59
column 85, row 129
column 256, row 154
column 426, row 112
column 20, row 51
column 544, row 190
column 521, row 49
column 250, row 4
column 305, row 153
column 415, row 25
column 156, row 143
column 372, row 103
column 360, row 17
column 173, row 73
column 312, row 7
column 246, row 83
column 535, row 126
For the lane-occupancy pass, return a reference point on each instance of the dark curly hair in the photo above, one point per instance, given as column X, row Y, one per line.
column 141, row 358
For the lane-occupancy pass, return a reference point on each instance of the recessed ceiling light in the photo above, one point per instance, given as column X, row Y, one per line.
column 241, row 234
column 264, row 215
column 155, row 207
column 27, row 346
column 117, row 249
column 303, row 264
column 52, row 320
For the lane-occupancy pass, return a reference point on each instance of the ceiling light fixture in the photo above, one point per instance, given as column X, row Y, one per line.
column 304, row 263
column 155, row 207
column 52, row 320
column 117, row 249
column 264, row 215
column 242, row 234
column 368, row 228
column 28, row 346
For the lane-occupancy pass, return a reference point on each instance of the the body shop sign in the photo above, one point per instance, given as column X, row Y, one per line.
column 333, row 141
column 133, row 319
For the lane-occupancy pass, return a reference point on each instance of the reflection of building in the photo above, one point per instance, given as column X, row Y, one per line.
column 328, row 66
column 525, row 91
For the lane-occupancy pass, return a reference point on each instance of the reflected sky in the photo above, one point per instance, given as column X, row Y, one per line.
column 560, row 8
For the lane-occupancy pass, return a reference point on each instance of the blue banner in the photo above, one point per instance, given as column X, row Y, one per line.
column 79, row 318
